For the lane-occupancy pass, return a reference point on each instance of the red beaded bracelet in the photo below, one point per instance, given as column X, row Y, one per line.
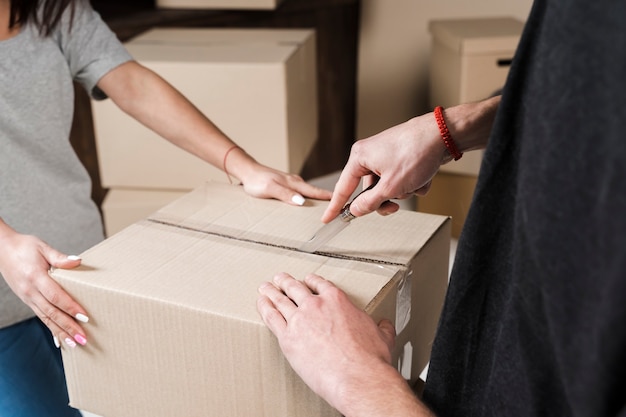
column 445, row 134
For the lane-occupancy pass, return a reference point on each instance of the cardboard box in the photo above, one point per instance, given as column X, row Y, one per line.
column 256, row 85
column 218, row 4
column 470, row 60
column 449, row 195
column 123, row 207
column 173, row 327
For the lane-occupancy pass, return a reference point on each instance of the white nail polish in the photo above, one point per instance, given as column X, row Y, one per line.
column 82, row 317
column 297, row 199
column 56, row 342
column 70, row 342
column 73, row 258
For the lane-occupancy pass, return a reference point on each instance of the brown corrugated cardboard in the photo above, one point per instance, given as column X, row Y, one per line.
column 449, row 195
column 123, row 207
column 173, row 325
column 257, row 85
column 218, row 4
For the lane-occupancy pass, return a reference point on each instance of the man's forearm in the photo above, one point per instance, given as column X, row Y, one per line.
column 384, row 393
column 470, row 124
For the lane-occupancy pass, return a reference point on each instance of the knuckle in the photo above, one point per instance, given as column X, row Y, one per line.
column 53, row 314
column 46, row 320
column 54, row 297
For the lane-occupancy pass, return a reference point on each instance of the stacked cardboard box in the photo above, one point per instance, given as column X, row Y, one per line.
column 173, row 324
column 218, row 4
column 257, row 85
column 470, row 60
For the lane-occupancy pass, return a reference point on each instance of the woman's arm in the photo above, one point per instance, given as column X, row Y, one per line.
column 155, row 103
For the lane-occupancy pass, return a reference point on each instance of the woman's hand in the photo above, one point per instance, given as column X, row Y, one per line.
column 24, row 264
column 263, row 182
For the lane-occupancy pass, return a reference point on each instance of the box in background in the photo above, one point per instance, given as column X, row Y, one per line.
column 218, row 4
column 172, row 303
column 257, row 85
column 470, row 60
column 449, row 195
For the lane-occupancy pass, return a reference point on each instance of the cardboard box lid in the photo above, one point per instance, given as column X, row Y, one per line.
column 220, row 46
column 478, row 36
column 225, row 210
column 218, row 225
column 219, row 4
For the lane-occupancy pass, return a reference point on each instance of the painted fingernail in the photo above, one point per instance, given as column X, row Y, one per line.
column 71, row 343
column 80, row 339
column 73, row 258
column 82, row 317
column 56, row 342
column 298, row 199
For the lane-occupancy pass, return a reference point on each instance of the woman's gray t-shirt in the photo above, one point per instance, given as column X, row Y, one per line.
column 44, row 189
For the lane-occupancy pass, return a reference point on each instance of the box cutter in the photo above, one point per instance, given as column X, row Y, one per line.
column 332, row 229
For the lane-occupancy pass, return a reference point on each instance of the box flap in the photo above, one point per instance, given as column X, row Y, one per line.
column 218, row 46
column 478, row 36
column 224, row 210
column 207, row 35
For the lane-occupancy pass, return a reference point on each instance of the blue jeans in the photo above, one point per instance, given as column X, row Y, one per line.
column 32, row 382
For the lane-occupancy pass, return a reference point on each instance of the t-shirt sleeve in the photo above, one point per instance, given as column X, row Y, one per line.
column 90, row 47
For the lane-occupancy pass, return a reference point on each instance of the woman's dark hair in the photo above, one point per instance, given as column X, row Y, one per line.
column 27, row 11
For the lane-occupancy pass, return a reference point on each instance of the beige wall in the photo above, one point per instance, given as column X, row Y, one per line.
column 394, row 51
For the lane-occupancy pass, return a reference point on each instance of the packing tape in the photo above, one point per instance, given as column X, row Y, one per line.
column 403, row 302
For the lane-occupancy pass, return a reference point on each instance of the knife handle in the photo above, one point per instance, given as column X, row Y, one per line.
column 346, row 215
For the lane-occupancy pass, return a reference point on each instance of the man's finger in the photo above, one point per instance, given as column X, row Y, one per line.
column 388, row 332
column 318, row 284
column 294, row 289
column 344, row 188
column 272, row 318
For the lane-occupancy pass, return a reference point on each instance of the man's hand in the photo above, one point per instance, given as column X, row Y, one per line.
column 336, row 348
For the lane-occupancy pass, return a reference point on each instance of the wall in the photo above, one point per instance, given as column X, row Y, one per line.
column 394, row 50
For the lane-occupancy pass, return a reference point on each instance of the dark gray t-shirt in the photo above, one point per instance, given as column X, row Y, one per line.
column 534, row 322
column 44, row 189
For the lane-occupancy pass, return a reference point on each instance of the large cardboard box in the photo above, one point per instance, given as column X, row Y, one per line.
column 257, row 85
column 218, row 4
column 173, row 327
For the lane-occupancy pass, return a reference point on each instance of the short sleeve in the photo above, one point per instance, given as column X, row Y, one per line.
column 89, row 46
